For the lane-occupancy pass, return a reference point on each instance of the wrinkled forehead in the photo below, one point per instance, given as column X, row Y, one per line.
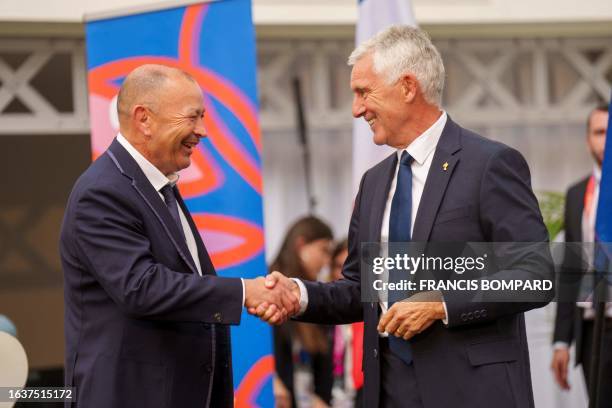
column 183, row 92
column 363, row 72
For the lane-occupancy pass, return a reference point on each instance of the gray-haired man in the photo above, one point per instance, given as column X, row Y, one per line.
column 444, row 184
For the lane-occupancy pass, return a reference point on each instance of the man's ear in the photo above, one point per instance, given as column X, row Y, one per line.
column 141, row 117
column 410, row 87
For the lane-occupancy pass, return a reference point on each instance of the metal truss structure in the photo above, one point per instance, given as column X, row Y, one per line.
column 489, row 82
column 43, row 87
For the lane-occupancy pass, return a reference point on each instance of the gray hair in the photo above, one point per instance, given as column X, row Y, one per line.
column 401, row 49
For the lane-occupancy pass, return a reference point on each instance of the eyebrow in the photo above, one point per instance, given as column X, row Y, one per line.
column 196, row 112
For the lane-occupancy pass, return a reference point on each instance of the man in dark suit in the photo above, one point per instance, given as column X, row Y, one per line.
column 574, row 319
column 444, row 184
column 146, row 317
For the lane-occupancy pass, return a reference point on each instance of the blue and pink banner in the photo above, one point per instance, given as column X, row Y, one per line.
column 215, row 43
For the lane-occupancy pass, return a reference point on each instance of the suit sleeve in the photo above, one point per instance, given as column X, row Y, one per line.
column 111, row 243
column 510, row 218
column 571, row 273
column 343, row 294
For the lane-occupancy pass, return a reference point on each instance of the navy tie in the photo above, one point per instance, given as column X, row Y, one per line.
column 170, row 198
column 400, row 221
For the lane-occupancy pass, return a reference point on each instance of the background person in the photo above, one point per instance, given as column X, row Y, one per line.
column 303, row 346
column 348, row 347
column 574, row 318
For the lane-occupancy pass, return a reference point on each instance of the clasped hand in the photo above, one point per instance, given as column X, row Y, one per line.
column 273, row 299
column 412, row 316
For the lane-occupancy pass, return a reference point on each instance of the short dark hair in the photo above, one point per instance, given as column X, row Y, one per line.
column 602, row 107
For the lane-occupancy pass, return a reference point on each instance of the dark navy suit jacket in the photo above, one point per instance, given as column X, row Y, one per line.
column 568, row 321
column 481, row 358
column 143, row 328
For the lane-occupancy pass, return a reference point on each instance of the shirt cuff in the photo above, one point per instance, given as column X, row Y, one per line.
column 303, row 296
column 445, row 320
column 243, row 292
column 560, row 345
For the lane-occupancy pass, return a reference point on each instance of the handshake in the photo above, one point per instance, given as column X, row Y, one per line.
column 273, row 299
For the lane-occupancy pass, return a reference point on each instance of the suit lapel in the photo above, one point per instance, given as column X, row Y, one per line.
column 129, row 168
column 205, row 261
column 442, row 166
column 379, row 198
column 577, row 218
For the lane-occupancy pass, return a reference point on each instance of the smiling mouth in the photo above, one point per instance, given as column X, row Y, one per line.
column 189, row 146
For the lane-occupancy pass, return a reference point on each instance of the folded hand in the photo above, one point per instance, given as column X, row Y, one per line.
column 412, row 316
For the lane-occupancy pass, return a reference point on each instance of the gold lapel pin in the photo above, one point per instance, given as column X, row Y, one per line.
column 445, row 166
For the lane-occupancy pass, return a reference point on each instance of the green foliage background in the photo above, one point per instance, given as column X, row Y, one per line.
column 551, row 205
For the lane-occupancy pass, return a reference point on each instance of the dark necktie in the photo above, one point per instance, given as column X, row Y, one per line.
column 170, row 198
column 399, row 231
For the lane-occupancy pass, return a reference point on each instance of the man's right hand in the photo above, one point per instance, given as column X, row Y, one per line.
column 559, row 365
column 266, row 311
column 271, row 302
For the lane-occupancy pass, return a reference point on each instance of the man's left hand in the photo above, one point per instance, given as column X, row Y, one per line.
column 408, row 318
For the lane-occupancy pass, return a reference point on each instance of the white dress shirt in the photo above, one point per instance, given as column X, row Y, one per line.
column 422, row 151
column 158, row 180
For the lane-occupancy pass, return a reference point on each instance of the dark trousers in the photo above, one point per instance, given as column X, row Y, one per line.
column 605, row 365
column 359, row 398
column 399, row 387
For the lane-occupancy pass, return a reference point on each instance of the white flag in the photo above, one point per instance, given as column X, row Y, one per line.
column 374, row 15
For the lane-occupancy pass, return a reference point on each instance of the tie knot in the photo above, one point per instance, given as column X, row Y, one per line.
column 406, row 159
column 168, row 192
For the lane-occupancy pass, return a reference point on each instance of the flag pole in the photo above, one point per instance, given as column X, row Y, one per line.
column 303, row 139
column 598, row 333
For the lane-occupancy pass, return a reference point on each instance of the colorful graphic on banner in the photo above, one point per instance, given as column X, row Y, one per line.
column 223, row 186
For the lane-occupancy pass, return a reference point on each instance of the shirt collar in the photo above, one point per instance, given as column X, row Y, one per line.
column 152, row 173
column 426, row 142
column 597, row 173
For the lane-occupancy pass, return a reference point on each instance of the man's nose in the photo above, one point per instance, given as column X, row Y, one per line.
column 200, row 129
column 358, row 108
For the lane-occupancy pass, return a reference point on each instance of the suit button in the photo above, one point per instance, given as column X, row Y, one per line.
column 218, row 318
column 375, row 353
column 470, row 316
column 477, row 314
column 208, row 368
column 463, row 317
column 483, row 313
